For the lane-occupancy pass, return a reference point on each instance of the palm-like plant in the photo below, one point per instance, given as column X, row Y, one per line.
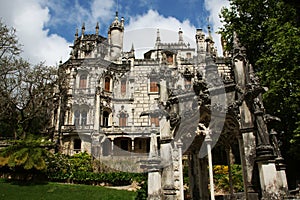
column 27, row 154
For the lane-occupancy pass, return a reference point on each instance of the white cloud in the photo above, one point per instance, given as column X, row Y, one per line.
column 141, row 31
column 214, row 7
column 103, row 9
column 29, row 18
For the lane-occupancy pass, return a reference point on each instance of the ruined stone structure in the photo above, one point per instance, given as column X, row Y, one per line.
column 176, row 102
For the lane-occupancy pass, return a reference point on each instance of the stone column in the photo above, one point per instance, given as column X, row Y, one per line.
column 268, row 180
column 166, row 158
column 153, row 166
column 112, row 147
column 247, row 145
column 166, row 148
column 97, row 111
column 228, row 152
column 178, row 170
column 208, row 141
column 132, row 144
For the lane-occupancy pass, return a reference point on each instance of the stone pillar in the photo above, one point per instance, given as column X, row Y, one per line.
column 112, row 147
column 228, row 152
column 247, row 144
column 132, row 144
column 166, row 148
column 247, row 161
column 166, row 158
column 208, row 141
column 268, row 180
column 178, row 170
column 97, row 111
column 153, row 166
column 198, row 176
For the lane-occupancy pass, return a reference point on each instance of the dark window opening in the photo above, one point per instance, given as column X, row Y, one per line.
column 170, row 59
column 105, row 118
column 124, row 145
column 77, row 117
column 77, row 145
column 107, row 84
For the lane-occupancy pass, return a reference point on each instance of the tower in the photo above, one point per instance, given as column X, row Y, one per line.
column 115, row 37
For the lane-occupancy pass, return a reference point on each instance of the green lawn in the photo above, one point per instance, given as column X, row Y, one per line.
column 57, row 191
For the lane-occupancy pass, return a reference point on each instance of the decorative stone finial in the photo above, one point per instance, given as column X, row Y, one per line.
column 76, row 34
column 97, row 28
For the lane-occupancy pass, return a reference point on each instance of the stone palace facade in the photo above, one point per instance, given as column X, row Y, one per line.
column 176, row 101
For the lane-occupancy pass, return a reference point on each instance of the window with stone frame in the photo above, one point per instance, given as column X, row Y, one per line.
column 77, row 145
column 76, row 117
column 105, row 118
column 154, row 120
column 153, row 85
column 83, row 81
column 123, row 87
column 107, row 84
column 84, row 118
column 169, row 58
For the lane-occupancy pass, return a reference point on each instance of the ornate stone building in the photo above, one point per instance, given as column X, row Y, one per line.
column 144, row 114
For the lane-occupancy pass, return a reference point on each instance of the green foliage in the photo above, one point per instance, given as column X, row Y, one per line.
column 78, row 169
column 142, row 193
column 221, row 178
column 26, row 154
column 270, row 32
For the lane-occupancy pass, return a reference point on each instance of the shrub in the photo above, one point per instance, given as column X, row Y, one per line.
column 221, row 178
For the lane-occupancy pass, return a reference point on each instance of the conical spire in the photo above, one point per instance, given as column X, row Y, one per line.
column 76, row 34
column 132, row 48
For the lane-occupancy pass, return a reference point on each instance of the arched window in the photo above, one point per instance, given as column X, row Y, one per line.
column 107, row 84
column 83, row 118
column 170, row 59
column 83, row 81
column 76, row 117
column 123, row 87
column 105, row 118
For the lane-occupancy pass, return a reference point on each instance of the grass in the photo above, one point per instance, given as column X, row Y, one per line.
column 57, row 191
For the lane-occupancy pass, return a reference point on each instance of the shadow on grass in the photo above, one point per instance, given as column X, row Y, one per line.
column 24, row 182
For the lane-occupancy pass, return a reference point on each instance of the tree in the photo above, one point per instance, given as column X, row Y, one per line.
column 26, row 92
column 27, row 102
column 269, row 29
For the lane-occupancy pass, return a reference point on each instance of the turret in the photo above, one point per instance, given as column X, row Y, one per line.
column 180, row 36
column 82, row 30
column 158, row 41
column 210, row 43
column 200, row 36
column 97, row 28
column 115, row 36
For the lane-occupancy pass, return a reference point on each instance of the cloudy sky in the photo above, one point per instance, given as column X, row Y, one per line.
column 46, row 28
